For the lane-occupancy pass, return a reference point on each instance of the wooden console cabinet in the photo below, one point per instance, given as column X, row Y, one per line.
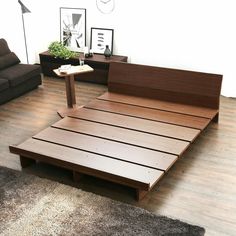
column 98, row 62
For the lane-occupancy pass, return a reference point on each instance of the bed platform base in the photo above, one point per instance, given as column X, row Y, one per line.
column 133, row 133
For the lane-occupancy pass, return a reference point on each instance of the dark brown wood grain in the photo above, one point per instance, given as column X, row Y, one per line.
column 133, row 123
column 121, row 151
column 70, row 86
column 70, row 91
column 180, row 86
column 196, row 111
column 150, row 141
column 149, row 114
column 88, row 163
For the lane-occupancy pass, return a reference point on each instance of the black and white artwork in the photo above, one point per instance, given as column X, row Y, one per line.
column 100, row 38
column 73, row 28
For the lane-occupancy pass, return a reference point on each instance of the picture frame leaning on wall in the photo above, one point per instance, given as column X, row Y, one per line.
column 99, row 38
column 73, row 28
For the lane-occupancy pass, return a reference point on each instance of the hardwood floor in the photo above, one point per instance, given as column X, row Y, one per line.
column 199, row 188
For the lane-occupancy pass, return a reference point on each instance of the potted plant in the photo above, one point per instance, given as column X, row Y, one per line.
column 58, row 50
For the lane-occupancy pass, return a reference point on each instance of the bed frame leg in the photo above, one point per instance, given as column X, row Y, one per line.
column 216, row 118
column 77, row 176
column 140, row 194
column 25, row 161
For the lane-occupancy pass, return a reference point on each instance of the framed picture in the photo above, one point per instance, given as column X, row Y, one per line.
column 99, row 38
column 73, row 28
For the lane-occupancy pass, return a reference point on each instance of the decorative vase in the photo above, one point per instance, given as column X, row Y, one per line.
column 107, row 52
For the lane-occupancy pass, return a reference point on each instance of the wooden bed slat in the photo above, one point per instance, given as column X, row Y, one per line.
column 169, row 145
column 161, row 105
column 151, row 114
column 88, row 163
column 138, row 124
column 141, row 156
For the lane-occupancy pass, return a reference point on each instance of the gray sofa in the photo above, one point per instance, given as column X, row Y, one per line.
column 15, row 78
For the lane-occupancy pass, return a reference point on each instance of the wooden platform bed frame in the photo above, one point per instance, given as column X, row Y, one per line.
column 133, row 133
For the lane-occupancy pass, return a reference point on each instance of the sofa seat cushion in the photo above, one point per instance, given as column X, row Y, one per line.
column 9, row 59
column 19, row 73
column 4, row 84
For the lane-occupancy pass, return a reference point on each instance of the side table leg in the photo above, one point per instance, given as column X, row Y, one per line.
column 70, row 90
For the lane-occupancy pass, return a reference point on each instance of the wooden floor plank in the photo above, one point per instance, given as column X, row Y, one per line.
column 169, row 145
column 141, row 156
column 150, row 114
column 148, row 126
column 161, row 105
column 118, row 171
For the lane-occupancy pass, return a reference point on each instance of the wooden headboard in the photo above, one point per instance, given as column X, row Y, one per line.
column 181, row 86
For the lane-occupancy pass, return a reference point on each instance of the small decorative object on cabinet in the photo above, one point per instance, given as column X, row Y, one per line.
column 107, row 52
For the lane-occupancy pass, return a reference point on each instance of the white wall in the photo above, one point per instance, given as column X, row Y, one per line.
column 186, row 34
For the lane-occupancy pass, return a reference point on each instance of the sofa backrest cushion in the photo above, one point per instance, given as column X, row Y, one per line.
column 8, row 60
column 4, row 49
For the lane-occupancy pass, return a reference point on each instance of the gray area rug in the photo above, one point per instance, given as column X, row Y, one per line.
column 30, row 205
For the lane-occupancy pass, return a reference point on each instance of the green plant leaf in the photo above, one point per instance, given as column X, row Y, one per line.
column 57, row 49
